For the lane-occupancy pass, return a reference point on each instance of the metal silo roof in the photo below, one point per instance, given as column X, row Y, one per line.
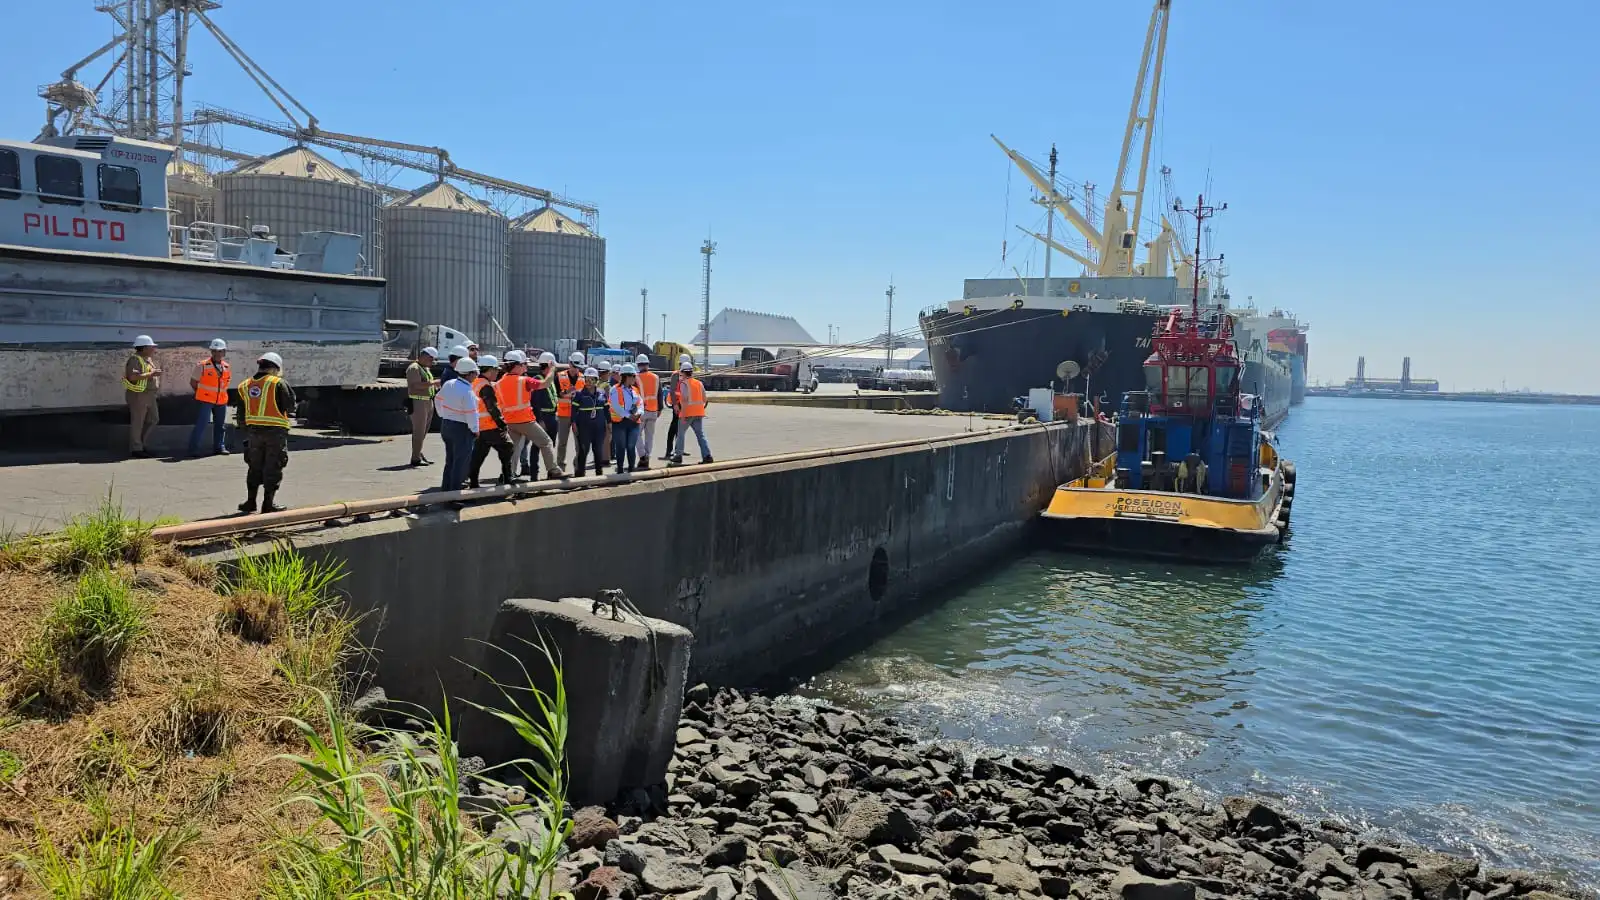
column 443, row 195
column 551, row 222
column 297, row 162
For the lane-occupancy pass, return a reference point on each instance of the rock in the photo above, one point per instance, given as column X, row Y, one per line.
column 718, row 886
column 1017, row 879
column 955, row 843
column 1129, row 884
column 968, row 892
column 952, row 819
column 730, row 851
column 1251, row 816
column 149, row 580
column 1064, row 831
column 628, row 857
column 592, row 828
column 788, row 884
column 1434, row 883
column 1058, row 886
column 699, row 694
column 666, row 877
column 688, row 734
column 1372, row 853
column 371, row 708
column 795, row 804
column 1325, row 860
column 701, row 792
column 867, row 822
column 909, row 863
column 1526, row 882
column 607, row 883
column 742, row 786
column 1255, row 862
column 813, row 776
column 981, row 871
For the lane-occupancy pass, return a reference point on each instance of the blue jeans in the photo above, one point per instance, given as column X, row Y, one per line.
column 458, row 441
column 217, row 417
column 697, row 424
column 625, row 443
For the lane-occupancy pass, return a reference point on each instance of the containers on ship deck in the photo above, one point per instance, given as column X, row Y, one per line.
column 446, row 257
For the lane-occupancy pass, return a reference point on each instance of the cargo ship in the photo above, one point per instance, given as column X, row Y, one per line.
column 1091, row 334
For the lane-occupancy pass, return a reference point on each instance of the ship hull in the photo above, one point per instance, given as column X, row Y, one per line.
column 984, row 361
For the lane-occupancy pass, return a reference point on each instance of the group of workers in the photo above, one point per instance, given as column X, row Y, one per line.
column 514, row 407
column 264, row 401
column 523, row 412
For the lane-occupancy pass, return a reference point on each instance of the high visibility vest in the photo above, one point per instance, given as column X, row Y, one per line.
column 564, row 383
column 261, row 402
column 213, row 389
column 516, row 401
column 650, row 389
column 691, row 397
column 427, row 377
column 624, row 402
column 145, row 368
column 485, row 421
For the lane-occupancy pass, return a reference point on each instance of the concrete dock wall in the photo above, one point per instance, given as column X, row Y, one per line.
column 766, row 565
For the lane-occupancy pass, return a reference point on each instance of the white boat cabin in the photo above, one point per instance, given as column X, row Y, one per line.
column 85, row 192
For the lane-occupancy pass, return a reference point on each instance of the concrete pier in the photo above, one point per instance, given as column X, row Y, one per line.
column 766, row 565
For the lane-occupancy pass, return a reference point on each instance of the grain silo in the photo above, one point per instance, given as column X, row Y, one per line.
column 296, row 190
column 444, row 254
column 558, row 279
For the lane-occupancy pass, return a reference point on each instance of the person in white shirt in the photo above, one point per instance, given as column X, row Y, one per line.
column 457, row 407
column 626, row 407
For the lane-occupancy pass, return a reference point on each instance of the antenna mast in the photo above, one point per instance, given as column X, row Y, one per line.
column 888, row 328
column 1050, row 221
column 708, row 249
column 644, row 315
column 1201, row 213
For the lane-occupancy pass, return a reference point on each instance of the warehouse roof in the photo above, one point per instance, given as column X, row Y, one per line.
column 743, row 326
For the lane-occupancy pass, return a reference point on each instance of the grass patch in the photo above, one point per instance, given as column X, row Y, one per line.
column 202, row 719
column 114, row 865
column 257, row 617
column 78, row 649
column 302, row 586
column 99, row 539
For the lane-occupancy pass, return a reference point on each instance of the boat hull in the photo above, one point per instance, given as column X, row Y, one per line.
column 1164, row 525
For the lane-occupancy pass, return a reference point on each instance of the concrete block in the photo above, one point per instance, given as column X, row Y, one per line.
column 624, row 682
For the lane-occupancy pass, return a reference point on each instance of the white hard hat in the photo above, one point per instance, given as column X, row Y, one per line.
column 687, row 365
column 487, row 361
column 144, row 340
column 516, row 356
column 590, row 373
column 273, row 358
column 466, row 365
column 472, row 345
column 576, row 359
column 547, row 359
column 642, row 360
column 219, row 344
column 458, row 350
column 430, row 351
column 605, row 365
column 629, row 369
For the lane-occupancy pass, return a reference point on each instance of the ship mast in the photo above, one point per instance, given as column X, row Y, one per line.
column 1201, row 213
column 1116, row 241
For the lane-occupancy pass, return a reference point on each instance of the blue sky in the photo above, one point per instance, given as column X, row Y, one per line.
column 1411, row 177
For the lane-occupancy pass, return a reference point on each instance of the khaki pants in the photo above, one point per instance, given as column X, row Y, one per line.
column 142, row 418
column 563, row 432
column 421, row 418
column 523, row 432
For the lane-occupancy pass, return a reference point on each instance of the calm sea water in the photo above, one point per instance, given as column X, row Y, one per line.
column 1422, row 657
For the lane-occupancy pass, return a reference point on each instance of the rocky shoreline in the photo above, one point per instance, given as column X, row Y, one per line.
column 780, row 800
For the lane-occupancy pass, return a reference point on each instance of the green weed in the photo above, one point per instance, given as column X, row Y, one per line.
column 305, row 588
column 113, row 865
column 202, row 719
column 80, row 645
column 100, row 538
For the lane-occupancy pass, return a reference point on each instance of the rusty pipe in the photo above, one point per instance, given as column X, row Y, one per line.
column 209, row 528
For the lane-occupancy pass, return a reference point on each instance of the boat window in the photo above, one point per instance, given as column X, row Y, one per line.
column 1225, row 379
column 10, row 175
column 1152, row 380
column 60, row 179
column 119, row 188
column 1199, row 386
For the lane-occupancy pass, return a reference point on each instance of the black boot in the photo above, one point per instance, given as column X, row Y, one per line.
column 267, row 506
column 249, row 506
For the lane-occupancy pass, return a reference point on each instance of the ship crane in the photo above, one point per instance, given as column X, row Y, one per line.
column 1114, row 243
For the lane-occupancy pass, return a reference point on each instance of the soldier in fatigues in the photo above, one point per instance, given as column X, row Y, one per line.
column 266, row 410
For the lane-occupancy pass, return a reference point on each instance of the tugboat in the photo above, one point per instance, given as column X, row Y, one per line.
column 1194, row 475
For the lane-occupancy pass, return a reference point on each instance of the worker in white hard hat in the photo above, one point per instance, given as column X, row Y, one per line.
column 421, row 386
column 472, row 352
column 457, row 406
column 588, row 422
column 625, row 406
column 141, row 382
column 519, row 395
column 266, row 409
column 492, row 434
column 650, row 396
column 689, row 399
column 604, row 386
column 546, row 411
column 210, row 380
column 671, row 392
column 568, row 382
column 458, row 352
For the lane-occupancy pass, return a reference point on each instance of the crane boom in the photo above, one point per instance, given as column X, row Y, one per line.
column 1052, row 198
column 1057, row 246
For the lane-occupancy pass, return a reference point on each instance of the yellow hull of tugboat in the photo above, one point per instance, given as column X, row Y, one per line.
column 1091, row 513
